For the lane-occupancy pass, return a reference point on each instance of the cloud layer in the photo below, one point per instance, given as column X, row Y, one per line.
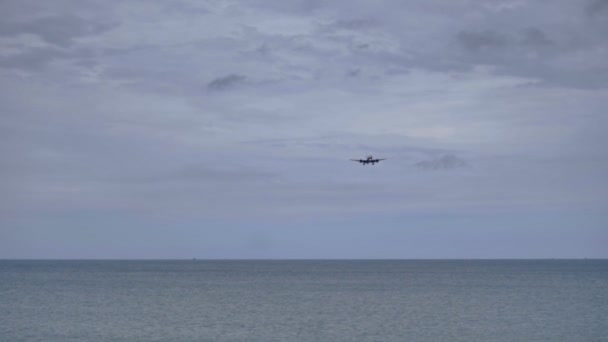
column 238, row 114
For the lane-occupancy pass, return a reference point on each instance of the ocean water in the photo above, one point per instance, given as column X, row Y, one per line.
column 366, row 300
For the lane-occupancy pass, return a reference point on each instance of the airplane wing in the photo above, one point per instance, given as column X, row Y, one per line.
column 377, row 160
column 358, row 160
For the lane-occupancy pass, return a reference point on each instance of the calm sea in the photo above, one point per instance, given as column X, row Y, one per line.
column 379, row 300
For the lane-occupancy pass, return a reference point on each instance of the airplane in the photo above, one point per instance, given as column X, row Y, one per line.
column 370, row 159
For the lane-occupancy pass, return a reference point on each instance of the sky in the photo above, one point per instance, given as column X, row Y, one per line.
column 223, row 129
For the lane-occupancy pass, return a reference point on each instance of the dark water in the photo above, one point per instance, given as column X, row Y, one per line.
column 551, row 300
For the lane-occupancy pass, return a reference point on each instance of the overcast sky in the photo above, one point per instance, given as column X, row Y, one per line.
column 224, row 129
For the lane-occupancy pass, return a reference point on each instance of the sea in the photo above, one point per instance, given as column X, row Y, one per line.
column 304, row 300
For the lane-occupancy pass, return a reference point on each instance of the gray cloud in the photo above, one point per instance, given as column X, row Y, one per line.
column 197, row 174
column 38, row 59
column 597, row 6
column 59, row 30
column 226, row 82
column 445, row 162
column 297, row 6
column 535, row 37
column 481, row 40
column 352, row 24
column 220, row 173
column 60, row 33
column 353, row 72
column 112, row 129
column 32, row 59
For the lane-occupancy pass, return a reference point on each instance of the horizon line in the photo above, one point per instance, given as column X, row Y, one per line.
column 293, row 259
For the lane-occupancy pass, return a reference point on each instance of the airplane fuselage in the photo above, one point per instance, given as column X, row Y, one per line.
column 369, row 160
